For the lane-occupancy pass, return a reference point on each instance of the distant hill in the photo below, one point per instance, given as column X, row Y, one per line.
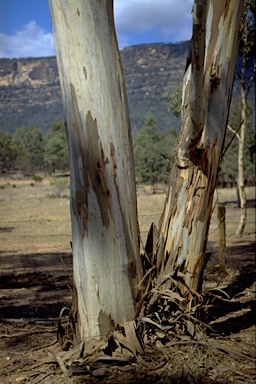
column 29, row 93
column 150, row 70
column 30, row 90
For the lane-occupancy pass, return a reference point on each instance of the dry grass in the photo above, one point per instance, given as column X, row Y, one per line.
column 35, row 215
column 35, row 219
column 150, row 207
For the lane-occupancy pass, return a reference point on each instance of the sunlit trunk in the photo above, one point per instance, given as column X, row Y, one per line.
column 107, row 264
column 207, row 89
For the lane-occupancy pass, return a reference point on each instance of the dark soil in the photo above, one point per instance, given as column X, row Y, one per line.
column 34, row 288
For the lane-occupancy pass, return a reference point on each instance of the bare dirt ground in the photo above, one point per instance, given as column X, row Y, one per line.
column 36, row 284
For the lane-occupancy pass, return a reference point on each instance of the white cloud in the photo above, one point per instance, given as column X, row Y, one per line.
column 31, row 40
column 170, row 20
column 136, row 22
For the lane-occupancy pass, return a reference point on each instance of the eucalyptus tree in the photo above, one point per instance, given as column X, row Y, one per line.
column 206, row 96
column 247, row 52
column 229, row 165
column 107, row 265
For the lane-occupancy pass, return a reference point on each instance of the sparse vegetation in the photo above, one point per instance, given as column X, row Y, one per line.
column 28, row 151
column 36, row 266
column 37, row 178
column 141, row 308
column 153, row 153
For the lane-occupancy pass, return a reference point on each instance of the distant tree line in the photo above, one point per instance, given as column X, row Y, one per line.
column 229, row 166
column 29, row 151
column 153, row 152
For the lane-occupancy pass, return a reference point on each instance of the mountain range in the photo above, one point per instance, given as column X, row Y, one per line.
column 30, row 90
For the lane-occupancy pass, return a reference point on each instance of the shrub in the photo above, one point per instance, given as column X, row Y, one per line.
column 37, row 178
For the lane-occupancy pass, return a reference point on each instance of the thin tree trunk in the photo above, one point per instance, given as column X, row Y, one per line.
column 207, row 89
column 241, row 187
column 107, row 266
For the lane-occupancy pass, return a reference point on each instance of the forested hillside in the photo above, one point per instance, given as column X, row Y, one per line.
column 30, row 90
column 32, row 137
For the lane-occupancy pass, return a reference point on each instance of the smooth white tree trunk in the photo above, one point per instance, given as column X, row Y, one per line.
column 207, row 90
column 107, row 265
column 241, row 187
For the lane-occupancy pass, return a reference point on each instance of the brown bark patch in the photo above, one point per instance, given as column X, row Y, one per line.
column 214, row 78
column 76, row 135
column 105, row 323
column 85, row 73
column 96, row 169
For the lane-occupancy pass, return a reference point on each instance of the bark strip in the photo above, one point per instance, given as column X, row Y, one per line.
column 207, row 89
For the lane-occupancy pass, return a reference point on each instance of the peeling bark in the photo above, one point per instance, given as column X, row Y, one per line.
column 207, row 89
column 107, row 265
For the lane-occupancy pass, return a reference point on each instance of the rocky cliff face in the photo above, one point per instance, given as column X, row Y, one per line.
column 28, row 72
column 30, row 91
column 150, row 70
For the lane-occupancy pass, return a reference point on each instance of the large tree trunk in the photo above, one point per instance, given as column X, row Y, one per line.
column 207, row 89
column 107, row 264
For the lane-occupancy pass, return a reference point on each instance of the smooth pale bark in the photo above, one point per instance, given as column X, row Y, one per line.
column 241, row 189
column 107, row 264
column 207, row 89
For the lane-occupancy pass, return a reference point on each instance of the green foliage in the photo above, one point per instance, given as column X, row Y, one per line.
column 168, row 143
column 7, row 154
column 247, row 44
column 246, row 50
column 151, row 151
column 174, row 99
column 229, row 165
column 56, row 148
column 37, row 178
column 28, row 143
column 29, row 151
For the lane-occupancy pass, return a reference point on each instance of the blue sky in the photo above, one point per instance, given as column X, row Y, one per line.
column 25, row 25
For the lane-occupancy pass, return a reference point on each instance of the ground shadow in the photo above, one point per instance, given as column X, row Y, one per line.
column 241, row 313
column 237, row 323
column 6, row 229
column 35, row 286
column 249, row 203
column 40, row 285
column 16, row 262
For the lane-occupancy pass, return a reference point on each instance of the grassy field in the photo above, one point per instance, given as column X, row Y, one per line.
column 36, row 277
column 150, row 208
column 35, row 215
